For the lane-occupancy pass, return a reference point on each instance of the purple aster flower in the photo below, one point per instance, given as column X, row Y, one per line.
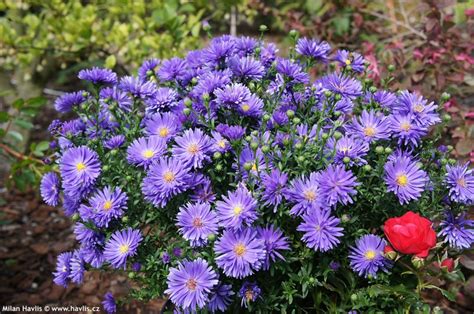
column 460, row 181
column 209, row 82
column 240, row 253
column 245, row 45
column 190, row 284
column 110, row 95
column 237, row 209
column 458, row 231
column 136, row 87
column 79, row 166
column 177, row 251
column 274, row 241
column 196, row 222
column 122, row 245
column 50, row 186
column 345, row 58
column 233, row 95
column 334, row 265
column 106, row 205
column 219, row 50
column 147, row 69
column 232, row 132
column 268, row 54
column 136, row 267
column 165, row 179
column 77, row 267
column 274, row 185
column 404, row 177
column 370, row 126
column 166, row 258
column 146, row 150
column 55, row 127
column 63, row 269
column 367, row 258
column 256, row 159
column 315, row 49
column 249, row 292
column 173, row 69
column 345, row 86
column 70, row 204
column 165, row 125
column 406, row 130
column 114, row 142
column 247, row 68
column 98, row 76
column 321, row 230
column 348, row 146
column 253, row 107
column 109, row 303
column 72, row 128
column 385, row 99
column 292, row 71
column 423, row 114
column 163, row 98
column 337, row 185
column 193, row 148
column 66, row 102
column 92, row 243
column 220, row 144
column 220, row 298
column 305, row 194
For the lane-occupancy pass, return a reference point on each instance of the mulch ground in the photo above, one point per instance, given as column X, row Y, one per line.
column 32, row 235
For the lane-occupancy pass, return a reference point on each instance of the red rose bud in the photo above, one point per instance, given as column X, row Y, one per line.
column 418, row 262
column 448, row 264
column 410, row 234
column 389, row 252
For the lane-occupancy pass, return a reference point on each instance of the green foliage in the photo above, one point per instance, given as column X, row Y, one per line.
column 26, row 168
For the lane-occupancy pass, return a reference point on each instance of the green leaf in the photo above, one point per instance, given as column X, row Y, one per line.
column 15, row 135
column 36, row 102
column 4, row 116
column 17, row 104
column 110, row 62
column 42, row 146
column 23, row 124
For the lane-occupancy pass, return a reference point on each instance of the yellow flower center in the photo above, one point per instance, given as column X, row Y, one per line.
column 344, row 149
column 318, row 227
column 237, row 210
column 370, row 255
column 405, row 126
column 254, row 167
column 80, row 166
column 249, row 295
column 402, row 180
column 124, row 248
column 191, row 284
column 164, row 132
column 197, row 222
column 462, row 182
column 222, row 143
column 64, row 269
column 168, row 176
column 369, row 131
column 309, row 195
column 239, row 249
column 193, row 149
column 348, row 62
column 418, row 108
column 245, row 107
column 107, row 205
column 148, row 154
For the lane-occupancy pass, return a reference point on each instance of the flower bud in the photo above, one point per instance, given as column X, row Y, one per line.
column 338, row 97
column 248, row 166
column 328, row 93
column 194, row 81
column 114, row 152
column 296, row 120
column 206, row 26
column 311, row 280
column 444, row 161
column 265, row 149
column 418, row 262
column 324, row 136
column 85, row 94
column 345, row 218
column 75, row 217
column 346, row 160
column 254, row 145
column 337, row 113
column 248, row 138
column 105, row 167
column 450, row 148
column 125, row 219
column 266, row 117
column 337, row 135
column 131, row 275
column 445, row 96
column 354, row 297
column 452, row 161
column 388, row 150
column 367, row 168
column 301, row 158
column 218, row 167
column 290, row 113
column 373, row 89
column 188, row 102
column 446, row 118
column 217, row 155
column 448, row 265
column 379, row 149
column 205, row 97
column 263, row 28
column 348, row 67
column 390, row 253
column 211, row 237
column 298, row 145
column 293, row 33
column 391, row 68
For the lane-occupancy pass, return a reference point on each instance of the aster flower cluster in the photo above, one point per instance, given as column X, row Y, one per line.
column 217, row 177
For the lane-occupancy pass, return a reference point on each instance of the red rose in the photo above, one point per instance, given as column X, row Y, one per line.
column 410, row 234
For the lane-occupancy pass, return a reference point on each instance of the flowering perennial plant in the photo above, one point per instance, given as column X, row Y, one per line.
column 232, row 180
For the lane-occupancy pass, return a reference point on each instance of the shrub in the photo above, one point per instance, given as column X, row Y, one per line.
column 231, row 180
